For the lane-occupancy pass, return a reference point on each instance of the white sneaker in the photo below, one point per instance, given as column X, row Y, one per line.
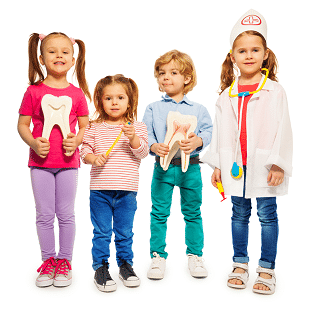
column 157, row 267
column 63, row 273
column 196, row 266
column 47, row 272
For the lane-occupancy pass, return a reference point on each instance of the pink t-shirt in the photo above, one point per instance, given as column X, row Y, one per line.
column 31, row 106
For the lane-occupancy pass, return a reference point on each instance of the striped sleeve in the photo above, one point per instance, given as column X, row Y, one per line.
column 88, row 142
column 141, row 132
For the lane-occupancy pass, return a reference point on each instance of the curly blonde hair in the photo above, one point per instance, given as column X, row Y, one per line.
column 185, row 66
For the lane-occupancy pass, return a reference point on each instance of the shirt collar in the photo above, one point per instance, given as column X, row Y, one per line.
column 166, row 98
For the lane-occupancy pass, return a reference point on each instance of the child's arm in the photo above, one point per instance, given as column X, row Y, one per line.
column 73, row 141
column 40, row 145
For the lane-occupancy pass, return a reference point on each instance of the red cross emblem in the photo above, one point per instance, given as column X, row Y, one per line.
column 251, row 20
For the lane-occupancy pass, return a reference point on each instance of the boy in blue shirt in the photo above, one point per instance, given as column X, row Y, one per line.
column 176, row 76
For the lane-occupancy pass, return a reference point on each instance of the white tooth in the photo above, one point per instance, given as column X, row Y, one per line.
column 56, row 110
column 178, row 128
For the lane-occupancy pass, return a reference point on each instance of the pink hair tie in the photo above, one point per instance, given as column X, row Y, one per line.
column 72, row 40
column 42, row 36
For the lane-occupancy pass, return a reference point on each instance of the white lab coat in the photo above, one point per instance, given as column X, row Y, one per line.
column 269, row 141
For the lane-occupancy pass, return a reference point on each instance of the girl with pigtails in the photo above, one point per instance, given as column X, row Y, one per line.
column 252, row 145
column 54, row 160
column 114, row 144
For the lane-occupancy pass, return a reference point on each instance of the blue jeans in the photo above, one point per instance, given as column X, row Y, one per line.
column 112, row 211
column 267, row 213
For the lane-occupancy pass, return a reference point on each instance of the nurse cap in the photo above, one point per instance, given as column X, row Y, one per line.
column 251, row 20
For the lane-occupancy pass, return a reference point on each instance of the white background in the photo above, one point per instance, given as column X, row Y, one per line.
column 127, row 37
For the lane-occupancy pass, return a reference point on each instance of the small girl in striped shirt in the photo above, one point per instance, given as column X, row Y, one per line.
column 114, row 144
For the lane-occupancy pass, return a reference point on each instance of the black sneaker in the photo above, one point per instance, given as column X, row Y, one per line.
column 128, row 276
column 103, row 279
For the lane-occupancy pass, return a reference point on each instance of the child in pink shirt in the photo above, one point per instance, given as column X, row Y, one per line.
column 54, row 162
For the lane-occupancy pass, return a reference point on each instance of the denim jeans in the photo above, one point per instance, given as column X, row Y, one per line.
column 267, row 213
column 112, row 211
column 190, row 186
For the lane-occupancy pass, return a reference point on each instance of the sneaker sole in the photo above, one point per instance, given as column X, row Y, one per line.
column 63, row 283
column 44, row 284
column 155, row 276
column 199, row 275
column 130, row 283
column 106, row 288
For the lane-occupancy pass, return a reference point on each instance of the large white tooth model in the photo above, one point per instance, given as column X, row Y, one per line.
column 178, row 128
column 56, row 110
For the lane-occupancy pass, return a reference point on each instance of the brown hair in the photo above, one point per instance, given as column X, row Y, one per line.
column 227, row 72
column 131, row 90
column 35, row 72
column 185, row 64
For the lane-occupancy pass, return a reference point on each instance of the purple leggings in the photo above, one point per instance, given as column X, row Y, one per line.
column 54, row 191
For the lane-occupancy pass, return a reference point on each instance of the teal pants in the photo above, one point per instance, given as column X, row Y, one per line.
column 190, row 185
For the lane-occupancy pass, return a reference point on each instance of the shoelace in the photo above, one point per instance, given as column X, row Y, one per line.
column 104, row 274
column 198, row 261
column 47, row 267
column 128, row 269
column 63, row 267
column 156, row 259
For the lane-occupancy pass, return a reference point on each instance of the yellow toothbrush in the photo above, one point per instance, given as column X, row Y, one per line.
column 115, row 142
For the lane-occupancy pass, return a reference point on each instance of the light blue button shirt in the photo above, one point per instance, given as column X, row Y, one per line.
column 156, row 114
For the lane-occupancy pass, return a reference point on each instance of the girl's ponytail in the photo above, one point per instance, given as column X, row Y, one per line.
column 35, row 69
column 132, row 108
column 227, row 73
column 271, row 64
column 80, row 68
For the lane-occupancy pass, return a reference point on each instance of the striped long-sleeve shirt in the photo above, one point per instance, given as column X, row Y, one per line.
column 120, row 171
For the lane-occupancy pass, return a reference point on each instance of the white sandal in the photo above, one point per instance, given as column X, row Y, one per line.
column 244, row 277
column 270, row 283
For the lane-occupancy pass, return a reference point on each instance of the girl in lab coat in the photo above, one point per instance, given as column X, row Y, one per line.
column 251, row 148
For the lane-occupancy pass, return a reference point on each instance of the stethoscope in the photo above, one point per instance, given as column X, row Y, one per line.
column 236, row 171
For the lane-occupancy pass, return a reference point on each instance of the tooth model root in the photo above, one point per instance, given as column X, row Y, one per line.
column 56, row 111
column 178, row 128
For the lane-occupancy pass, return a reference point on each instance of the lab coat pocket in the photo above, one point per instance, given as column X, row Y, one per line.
column 260, row 171
column 226, row 162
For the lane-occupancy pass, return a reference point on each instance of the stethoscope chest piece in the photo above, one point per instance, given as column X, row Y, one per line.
column 236, row 171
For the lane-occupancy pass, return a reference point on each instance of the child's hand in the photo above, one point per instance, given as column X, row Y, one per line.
column 41, row 147
column 100, row 160
column 160, row 149
column 70, row 144
column 191, row 143
column 216, row 177
column 275, row 176
column 129, row 131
